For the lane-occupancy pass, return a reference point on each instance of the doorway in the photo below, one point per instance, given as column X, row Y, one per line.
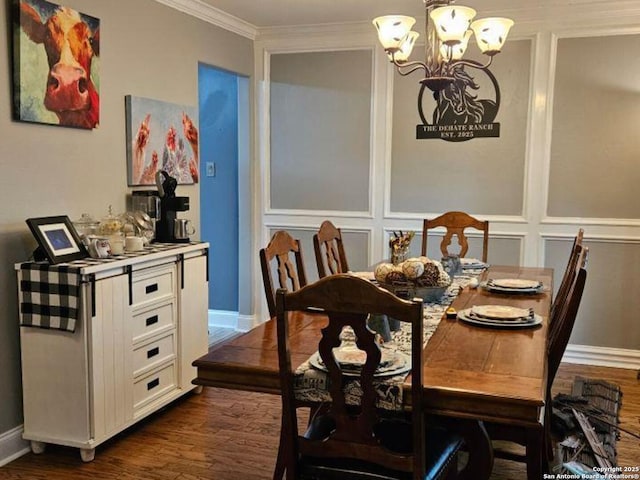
column 225, row 193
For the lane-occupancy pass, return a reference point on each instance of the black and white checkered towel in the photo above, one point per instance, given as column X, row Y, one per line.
column 49, row 296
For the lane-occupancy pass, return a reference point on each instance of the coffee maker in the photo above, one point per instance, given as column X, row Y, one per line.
column 169, row 206
column 146, row 201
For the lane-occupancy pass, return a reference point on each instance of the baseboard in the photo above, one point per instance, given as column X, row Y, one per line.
column 602, row 356
column 12, row 445
column 224, row 318
column 246, row 322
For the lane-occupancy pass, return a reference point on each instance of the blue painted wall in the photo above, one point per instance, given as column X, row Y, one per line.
column 218, row 105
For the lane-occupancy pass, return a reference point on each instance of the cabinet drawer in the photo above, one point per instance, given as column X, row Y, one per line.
column 153, row 353
column 153, row 320
column 154, row 385
column 153, row 284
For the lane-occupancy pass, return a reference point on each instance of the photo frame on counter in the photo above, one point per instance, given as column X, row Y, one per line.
column 57, row 239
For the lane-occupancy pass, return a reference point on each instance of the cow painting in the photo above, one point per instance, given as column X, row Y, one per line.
column 55, row 67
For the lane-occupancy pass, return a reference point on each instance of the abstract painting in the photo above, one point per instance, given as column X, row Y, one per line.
column 59, row 84
column 161, row 136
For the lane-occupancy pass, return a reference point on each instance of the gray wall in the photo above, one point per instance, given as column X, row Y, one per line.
column 147, row 49
column 595, row 141
column 320, row 130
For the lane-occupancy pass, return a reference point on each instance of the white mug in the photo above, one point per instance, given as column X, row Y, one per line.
column 99, row 247
column 133, row 244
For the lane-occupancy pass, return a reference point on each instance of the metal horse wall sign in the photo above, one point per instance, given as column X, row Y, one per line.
column 458, row 114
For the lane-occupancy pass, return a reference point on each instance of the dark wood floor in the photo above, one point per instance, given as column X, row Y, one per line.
column 231, row 435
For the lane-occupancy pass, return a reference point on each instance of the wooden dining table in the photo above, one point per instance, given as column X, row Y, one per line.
column 470, row 372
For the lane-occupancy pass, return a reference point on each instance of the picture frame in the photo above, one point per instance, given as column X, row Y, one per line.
column 40, row 94
column 57, row 238
column 161, row 136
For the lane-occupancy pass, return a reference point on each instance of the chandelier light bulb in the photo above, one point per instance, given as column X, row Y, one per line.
column 452, row 22
column 406, row 47
column 392, row 30
column 455, row 52
column 491, row 33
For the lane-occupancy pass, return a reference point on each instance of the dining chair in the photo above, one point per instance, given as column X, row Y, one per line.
column 275, row 258
column 537, row 439
column 329, row 250
column 344, row 440
column 569, row 272
column 456, row 223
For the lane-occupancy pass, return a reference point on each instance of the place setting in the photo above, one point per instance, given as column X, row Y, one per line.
column 351, row 360
column 472, row 265
column 513, row 285
column 500, row 316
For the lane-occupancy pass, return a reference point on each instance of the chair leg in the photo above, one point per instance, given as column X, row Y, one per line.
column 279, row 470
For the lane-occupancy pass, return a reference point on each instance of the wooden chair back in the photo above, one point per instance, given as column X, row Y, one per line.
column 569, row 273
column 455, row 224
column 347, row 300
column 561, row 331
column 329, row 250
column 282, row 247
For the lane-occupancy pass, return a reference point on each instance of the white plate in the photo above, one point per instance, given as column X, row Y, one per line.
column 495, row 289
column 514, row 283
column 463, row 316
column 352, row 355
column 400, row 363
column 499, row 312
column 472, row 263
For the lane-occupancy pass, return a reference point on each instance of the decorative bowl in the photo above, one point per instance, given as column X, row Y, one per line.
column 409, row 290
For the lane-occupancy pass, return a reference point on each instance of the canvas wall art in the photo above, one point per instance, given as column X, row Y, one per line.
column 58, row 85
column 161, row 136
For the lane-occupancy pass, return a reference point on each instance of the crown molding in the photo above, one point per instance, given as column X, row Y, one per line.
column 215, row 16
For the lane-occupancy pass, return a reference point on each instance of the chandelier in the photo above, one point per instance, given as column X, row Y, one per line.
column 448, row 28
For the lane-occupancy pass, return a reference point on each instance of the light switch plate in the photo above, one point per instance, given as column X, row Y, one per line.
column 211, row 169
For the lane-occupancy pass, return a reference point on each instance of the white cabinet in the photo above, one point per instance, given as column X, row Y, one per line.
column 142, row 322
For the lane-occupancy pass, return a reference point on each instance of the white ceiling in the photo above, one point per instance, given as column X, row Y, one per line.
column 275, row 13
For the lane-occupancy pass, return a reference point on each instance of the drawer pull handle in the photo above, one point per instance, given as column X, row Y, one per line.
column 151, row 320
column 151, row 288
column 153, row 352
column 153, row 384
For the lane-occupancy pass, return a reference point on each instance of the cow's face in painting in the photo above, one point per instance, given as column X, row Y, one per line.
column 70, row 46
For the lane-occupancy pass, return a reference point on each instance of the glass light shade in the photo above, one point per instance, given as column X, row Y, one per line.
column 452, row 22
column 491, row 33
column 455, row 51
column 406, row 47
column 392, row 30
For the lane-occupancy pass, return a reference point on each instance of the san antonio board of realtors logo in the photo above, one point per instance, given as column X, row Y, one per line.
column 459, row 111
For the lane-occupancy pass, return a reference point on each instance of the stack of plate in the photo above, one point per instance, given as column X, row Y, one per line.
column 513, row 285
column 351, row 360
column 501, row 316
column 472, row 264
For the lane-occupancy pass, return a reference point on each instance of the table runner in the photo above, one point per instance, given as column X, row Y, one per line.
column 312, row 384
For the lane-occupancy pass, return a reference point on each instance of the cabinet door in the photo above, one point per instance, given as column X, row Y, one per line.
column 111, row 356
column 193, row 318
